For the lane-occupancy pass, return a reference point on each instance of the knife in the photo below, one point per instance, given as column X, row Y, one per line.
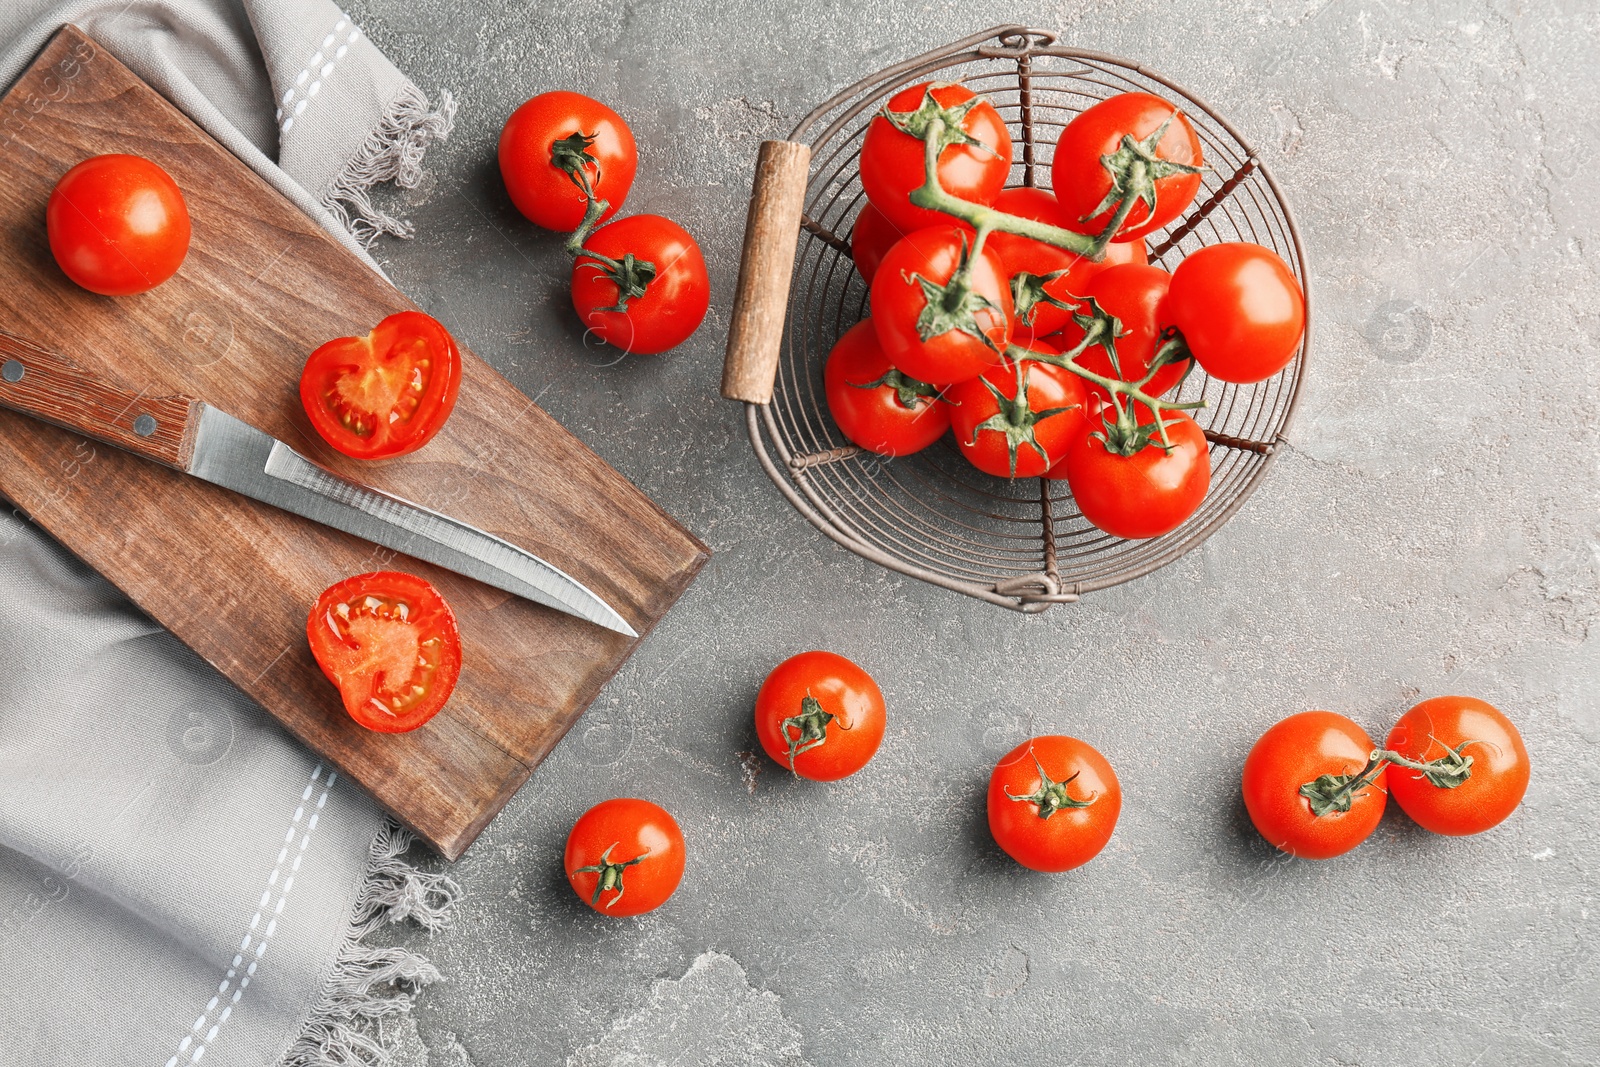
column 195, row 438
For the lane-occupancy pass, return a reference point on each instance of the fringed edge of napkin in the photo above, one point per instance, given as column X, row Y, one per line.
column 371, row 987
column 393, row 151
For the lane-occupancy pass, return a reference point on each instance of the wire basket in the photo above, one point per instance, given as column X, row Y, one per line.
column 1021, row 544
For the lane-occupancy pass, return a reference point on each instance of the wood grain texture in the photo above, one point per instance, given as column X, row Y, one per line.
column 45, row 385
column 772, row 231
column 261, row 287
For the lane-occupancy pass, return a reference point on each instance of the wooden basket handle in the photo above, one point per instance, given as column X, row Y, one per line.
column 771, row 233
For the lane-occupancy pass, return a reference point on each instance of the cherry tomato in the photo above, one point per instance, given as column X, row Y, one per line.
column 385, row 394
column 1123, row 128
column 1147, row 494
column 676, row 290
column 1239, row 308
column 1053, row 803
column 1017, row 419
column 1133, row 293
column 389, row 642
column 1025, row 255
column 556, row 145
column 624, row 856
column 1300, row 751
column 117, row 225
column 1451, row 731
column 820, row 715
column 892, row 159
column 876, row 406
column 960, row 334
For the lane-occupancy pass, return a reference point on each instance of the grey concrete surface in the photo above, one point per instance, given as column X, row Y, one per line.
column 1433, row 529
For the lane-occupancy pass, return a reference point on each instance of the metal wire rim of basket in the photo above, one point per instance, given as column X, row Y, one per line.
column 1022, row 545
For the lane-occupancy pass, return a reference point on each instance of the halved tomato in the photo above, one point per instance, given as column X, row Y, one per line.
column 389, row 642
column 385, row 394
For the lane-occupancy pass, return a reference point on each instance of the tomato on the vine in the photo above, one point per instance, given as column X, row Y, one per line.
column 385, row 394
column 1240, row 310
column 1017, row 419
column 389, row 642
column 560, row 145
column 640, row 284
column 972, row 165
column 1132, row 149
column 1147, row 493
column 1480, row 765
column 117, row 225
column 624, row 856
column 942, row 314
column 1053, row 803
column 1309, row 787
column 1045, row 280
column 871, row 238
column 878, row 407
column 1132, row 292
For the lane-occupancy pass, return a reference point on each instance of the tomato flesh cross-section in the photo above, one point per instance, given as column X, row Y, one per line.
column 389, row 642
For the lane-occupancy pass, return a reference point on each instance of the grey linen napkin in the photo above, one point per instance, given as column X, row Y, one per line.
column 180, row 881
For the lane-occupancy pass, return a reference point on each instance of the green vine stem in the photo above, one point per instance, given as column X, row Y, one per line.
column 631, row 276
column 1331, row 793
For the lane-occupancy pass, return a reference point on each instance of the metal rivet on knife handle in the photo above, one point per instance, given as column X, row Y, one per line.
column 12, row 371
column 772, row 231
column 144, row 425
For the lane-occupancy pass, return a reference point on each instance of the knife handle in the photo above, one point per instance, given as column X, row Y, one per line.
column 39, row 383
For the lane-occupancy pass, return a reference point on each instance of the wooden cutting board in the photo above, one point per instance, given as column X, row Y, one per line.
column 262, row 286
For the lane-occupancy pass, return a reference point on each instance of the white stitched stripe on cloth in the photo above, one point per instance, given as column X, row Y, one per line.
column 194, row 1043
column 317, row 67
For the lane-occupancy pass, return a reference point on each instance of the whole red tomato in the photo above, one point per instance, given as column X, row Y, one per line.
column 385, row 394
column 389, row 642
column 1017, row 419
column 820, row 715
column 1130, row 146
column 934, row 326
column 973, row 165
column 558, row 145
column 1240, row 310
column 117, row 225
column 652, row 294
column 1053, row 803
column 1039, row 297
column 1480, row 765
column 1148, row 493
column 624, row 856
column 877, row 407
column 1304, row 786
column 1132, row 292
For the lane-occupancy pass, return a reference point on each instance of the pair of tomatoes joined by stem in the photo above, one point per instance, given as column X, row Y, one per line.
column 1150, row 490
column 942, row 314
column 117, row 225
column 1239, row 309
column 640, row 284
column 389, row 642
column 1479, row 765
column 1047, row 281
column 560, row 146
column 1308, row 786
column 385, row 394
column 624, row 856
column 820, row 715
column 878, row 407
column 1018, row 419
column 974, row 151
column 1053, row 803
column 1132, row 155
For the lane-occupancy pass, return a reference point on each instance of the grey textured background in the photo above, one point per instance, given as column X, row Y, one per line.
column 1432, row 529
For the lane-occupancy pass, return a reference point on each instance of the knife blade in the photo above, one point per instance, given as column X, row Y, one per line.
column 191, row 436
